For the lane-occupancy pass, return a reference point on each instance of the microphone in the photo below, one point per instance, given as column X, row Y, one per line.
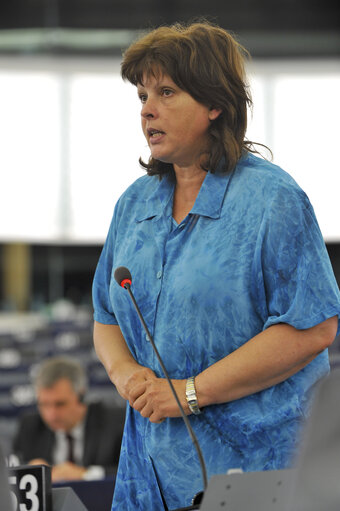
column 123, row 277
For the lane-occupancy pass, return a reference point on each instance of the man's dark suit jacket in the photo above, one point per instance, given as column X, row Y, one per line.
column 103, row 434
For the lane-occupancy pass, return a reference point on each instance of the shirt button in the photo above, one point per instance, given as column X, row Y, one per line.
column 159, row 274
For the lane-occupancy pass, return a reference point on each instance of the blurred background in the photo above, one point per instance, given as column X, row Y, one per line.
column 70, row 141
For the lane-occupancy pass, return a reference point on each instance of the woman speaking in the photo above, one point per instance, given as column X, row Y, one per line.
column 230, row 273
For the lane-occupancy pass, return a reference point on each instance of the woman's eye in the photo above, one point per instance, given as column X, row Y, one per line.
column 167, row 92
column 142, row 98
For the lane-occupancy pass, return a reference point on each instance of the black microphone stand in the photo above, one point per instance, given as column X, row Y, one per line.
column 125, row 282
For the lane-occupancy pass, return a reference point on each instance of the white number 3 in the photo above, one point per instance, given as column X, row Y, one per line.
column 30, row 481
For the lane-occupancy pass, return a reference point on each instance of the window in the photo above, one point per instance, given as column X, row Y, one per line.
column 71, row 138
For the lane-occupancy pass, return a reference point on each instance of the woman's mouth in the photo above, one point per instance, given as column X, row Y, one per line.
column 155, row 135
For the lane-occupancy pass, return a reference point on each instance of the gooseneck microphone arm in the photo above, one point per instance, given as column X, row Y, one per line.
column 124, row 279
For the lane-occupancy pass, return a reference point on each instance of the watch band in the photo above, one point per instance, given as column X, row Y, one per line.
column 190, row 393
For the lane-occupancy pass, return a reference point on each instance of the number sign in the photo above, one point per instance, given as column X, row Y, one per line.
column 30, row 487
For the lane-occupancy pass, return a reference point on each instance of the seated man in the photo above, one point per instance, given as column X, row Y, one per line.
column 79, row 440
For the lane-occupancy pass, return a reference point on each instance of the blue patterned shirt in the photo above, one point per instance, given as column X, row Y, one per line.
column 249, row 255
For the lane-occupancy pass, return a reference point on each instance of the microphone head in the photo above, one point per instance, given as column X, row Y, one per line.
column 122, row 276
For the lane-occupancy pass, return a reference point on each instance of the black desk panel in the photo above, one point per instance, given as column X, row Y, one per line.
column 95, row 495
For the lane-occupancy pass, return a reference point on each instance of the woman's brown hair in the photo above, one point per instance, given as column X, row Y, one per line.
column 207, row 62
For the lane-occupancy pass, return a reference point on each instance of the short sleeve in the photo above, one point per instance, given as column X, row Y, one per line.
column 298, row 283
column 103, row 312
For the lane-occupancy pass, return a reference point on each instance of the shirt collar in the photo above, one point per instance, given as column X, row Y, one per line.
column 160, row 200
column 211, row 195
column 208, row 202
column 77, row 432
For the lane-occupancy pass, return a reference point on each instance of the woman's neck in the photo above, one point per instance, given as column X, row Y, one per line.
column 188, row 184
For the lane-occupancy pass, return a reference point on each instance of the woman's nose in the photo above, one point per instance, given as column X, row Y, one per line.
column 149, row 109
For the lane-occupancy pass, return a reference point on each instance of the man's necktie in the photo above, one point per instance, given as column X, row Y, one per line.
column 70, row 447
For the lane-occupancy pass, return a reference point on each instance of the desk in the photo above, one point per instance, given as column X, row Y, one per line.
column 95, row 495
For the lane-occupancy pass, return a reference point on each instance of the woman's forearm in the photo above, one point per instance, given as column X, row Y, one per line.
column 111, row 348
column 267, row 359
column 120, row 365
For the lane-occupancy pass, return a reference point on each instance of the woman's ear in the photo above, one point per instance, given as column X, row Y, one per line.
column 214, row 113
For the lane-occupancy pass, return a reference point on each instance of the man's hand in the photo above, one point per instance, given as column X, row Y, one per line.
column 67, row 472
column 38, row 461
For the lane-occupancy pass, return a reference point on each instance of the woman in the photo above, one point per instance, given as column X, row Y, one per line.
column 230, row 272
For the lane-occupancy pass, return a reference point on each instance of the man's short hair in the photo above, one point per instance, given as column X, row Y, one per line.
column 53, row 369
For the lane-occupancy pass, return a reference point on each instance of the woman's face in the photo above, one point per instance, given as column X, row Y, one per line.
column 175, row 125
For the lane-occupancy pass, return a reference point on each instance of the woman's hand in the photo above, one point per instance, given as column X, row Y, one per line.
column 120, row 365
column 154, row 399
column 149, row 395
column 130, row 376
